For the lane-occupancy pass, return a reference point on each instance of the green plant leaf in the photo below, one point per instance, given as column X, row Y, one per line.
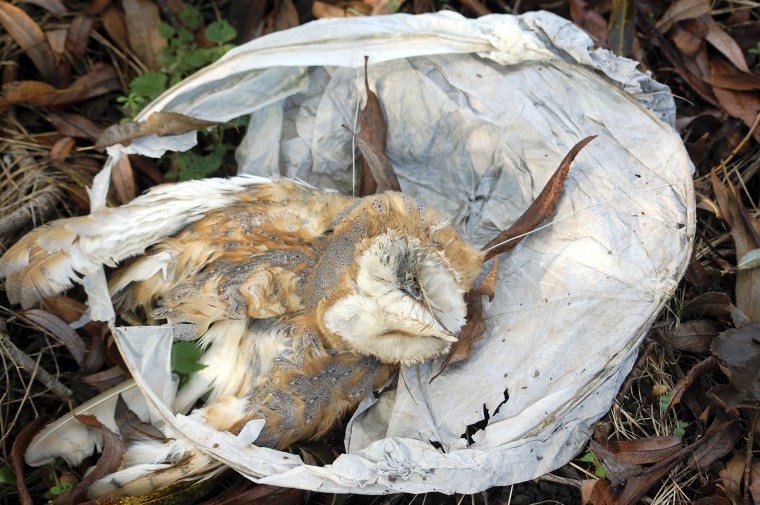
column 198, row 166
column 7, row 476
column 220, row 32
column 191, row 17
column 149, row 85
column 166, row 31
column 185, row 357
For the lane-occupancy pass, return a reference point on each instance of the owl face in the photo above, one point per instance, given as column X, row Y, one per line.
column 407, row 305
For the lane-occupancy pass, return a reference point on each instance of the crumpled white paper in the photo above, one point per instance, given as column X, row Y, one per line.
column 480, row 112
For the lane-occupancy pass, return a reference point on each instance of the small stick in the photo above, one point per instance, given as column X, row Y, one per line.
column 22, row 360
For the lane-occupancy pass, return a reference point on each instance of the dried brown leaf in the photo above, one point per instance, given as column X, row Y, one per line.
column 698, row 370
column 618, row 471
column 59, row 329
column 142, row 20
column 158, row 123
column 638, row 485
column 693, row 336
column 18, row 450
column 116, row 27
column 754, row 482
column 723, row 42
column 680, row 10
column 62, row 148
column 687, row 41
column 475, row 324
column 376, row 171
column 57, row 40
column 29, row 92
column 123, row 181
column 711, row 304
column 106, row 379
column 737, row 82
column 54, row 6
column 539, row 210
column 738, row 104
column 100, row 80
column 79, row 35
column 283, row 16
column 644, row 451
column 590, row 20
column 738, row 353
column 109, row 461
column 131, row 426
column 74, row 125
column 601, row 492
column 27, row 34
column 745, row 239
column 622, row 27
column 731, row 478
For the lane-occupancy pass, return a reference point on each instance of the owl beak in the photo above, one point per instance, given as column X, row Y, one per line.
column 447, row 337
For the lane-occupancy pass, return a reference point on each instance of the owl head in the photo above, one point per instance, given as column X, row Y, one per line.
column 392, row 280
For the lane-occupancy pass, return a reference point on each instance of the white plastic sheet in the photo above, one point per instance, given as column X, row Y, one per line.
column 480, row 112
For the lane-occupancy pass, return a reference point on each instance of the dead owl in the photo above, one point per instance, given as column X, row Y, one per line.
column 303, row 300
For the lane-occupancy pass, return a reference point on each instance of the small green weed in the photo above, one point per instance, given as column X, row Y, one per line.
column 181, row 57
column 185, row 360
column 599, row 469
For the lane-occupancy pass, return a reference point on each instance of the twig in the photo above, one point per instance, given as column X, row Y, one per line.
column 23, row 361
column 556, row 479
column 43, row 203
column 722, row 165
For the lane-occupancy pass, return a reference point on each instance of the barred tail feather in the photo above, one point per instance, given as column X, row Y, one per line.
column 149, row 465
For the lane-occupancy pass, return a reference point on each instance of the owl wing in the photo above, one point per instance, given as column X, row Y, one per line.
column 50, row 259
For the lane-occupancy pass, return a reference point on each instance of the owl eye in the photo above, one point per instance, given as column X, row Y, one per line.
column 411, row 285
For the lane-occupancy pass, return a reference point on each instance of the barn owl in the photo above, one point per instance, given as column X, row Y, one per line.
column 303, row 301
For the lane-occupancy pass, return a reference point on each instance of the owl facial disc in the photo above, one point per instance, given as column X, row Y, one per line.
column 406, row 307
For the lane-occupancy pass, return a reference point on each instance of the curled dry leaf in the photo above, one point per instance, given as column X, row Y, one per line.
column 618, row 471
column 158, row 123
column 643, row 451
column 745, row 106
column 698, row 370
column 27, row 34
column 738, row 353
column 539, row 210
column 18, row 450
column 473, row 329
column 109, row 461
column 58, row 328
column 743, row 231
column 373, row 129
column 680, row 10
